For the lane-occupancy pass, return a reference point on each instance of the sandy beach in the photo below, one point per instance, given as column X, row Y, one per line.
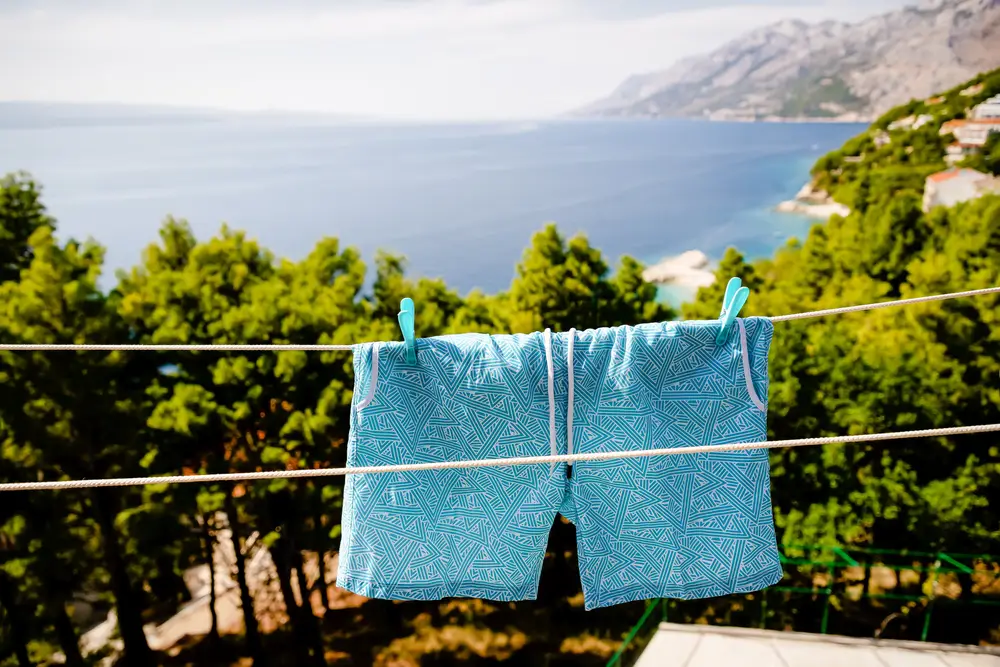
column 813, row 203
column 691, row 269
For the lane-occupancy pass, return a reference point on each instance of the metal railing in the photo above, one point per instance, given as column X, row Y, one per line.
column 943, row 563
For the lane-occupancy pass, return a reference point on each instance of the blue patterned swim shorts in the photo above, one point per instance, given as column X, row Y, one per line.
column 685, row 526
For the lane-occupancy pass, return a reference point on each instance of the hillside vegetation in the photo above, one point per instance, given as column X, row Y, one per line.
column 861, row 174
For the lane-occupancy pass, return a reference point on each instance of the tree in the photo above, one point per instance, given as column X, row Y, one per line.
column 254, row 410
column 564, row 285
column 919, row 367
column 22, row 215
column 77, row 415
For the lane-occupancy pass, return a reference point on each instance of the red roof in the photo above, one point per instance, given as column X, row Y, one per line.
column 947, row 125
column 948, row 174
column 942, row 176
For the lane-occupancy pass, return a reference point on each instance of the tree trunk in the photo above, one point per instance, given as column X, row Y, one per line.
column 137, row 652
column 282, row 564
column 68, row 639
column 246, row 600
column 300, row 573
column 209, row 544
column 321, row 563
column 327, row 595
column 308, row 617
column 965, row 581
column 19, row 631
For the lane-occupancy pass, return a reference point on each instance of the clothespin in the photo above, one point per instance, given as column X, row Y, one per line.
column 732, row 303
column 406, row 316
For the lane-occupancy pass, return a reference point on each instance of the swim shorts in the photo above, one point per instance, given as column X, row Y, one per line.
column 683, row 526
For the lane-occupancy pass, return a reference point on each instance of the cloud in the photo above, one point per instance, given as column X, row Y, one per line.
column 415, row 58
column 114, row 29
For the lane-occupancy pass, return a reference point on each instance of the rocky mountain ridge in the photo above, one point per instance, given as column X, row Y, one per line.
column 833, row 70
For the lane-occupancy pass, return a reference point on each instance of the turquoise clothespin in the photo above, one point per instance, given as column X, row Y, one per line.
column 731, row 288
column 736, row 297
column 406, row 315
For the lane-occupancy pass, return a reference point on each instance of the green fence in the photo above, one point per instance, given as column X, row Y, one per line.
column 831, row 560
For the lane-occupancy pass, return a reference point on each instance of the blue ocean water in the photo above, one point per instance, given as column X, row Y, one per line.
column 460, row 201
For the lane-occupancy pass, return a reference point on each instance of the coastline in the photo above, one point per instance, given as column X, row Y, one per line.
column 846, row 118
column 819, row 211
column 678, row 277
column 849, row 119
column 814, row 203
column 691, row 269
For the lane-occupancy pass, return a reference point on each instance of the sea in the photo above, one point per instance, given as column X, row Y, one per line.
column 460, row 201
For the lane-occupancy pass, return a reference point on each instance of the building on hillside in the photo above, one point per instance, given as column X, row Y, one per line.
column 953, row 186
column 882, row 139
column 950, row 126
column 698, row 645
column 958, row 151
column 903, row 123
column 988, row 109
column 971, row 135
column 935, row 100
column 910, row 122
column 972, row 90
column 977, row 131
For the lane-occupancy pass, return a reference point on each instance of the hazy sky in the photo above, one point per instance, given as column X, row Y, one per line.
column 443, row 59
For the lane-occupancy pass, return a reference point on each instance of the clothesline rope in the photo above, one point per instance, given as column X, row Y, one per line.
column 490, row 463
column 289, row 347
column 884, row 304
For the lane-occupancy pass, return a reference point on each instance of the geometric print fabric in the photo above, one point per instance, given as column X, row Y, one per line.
column 686, row 526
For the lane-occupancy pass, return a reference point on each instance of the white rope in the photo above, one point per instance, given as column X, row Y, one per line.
column 490, row 463
column 93, row 347
column 884, row 304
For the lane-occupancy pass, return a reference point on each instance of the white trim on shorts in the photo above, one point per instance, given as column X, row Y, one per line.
column 363, row 403
column 747, row 371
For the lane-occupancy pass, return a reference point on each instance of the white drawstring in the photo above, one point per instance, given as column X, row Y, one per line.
column 547, row 340
column 569, row 400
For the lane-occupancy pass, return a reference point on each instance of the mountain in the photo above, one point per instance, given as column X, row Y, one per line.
column 846, row 71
